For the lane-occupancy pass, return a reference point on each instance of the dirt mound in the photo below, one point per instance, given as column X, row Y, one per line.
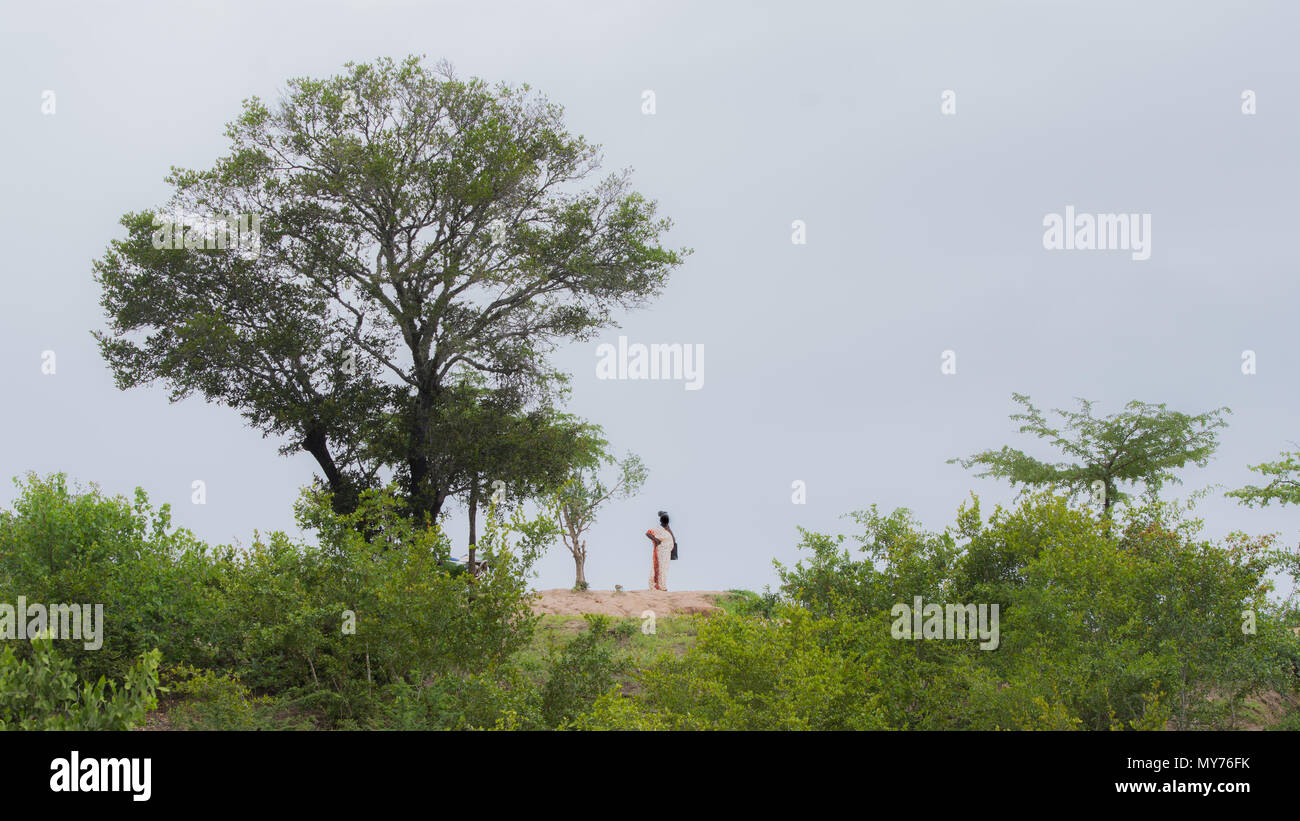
column 629, row 603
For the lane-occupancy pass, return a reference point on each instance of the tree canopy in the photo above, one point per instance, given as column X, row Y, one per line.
column 1141, row 445
column 417, row 231
column 1283, row 486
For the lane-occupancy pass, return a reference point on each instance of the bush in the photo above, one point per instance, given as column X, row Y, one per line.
column 326, row 624
column 1135, row 623
column 745, row 673
column 44, row 693
column 347, row 615
column 157, row 585
column 210, row 700
column 503, row 700
column 749, row 603
column 586, row 668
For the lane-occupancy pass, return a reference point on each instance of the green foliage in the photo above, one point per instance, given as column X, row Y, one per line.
column 1135, row 624
column 414, row 618
column 44, row 693
column 273, row 615
column 512, row 696
column 1104, row 625
column 833, row 583
column 751, row 674
column 504, row 699
column 211, row 700
column 749, row 603
column 625, row 628
column 1127, row 622
column 1283, row 486
column 586, row 668
column 1143, row 444
column 489, row 437
column 578, row 500
column 418, row 232
column 156, row 583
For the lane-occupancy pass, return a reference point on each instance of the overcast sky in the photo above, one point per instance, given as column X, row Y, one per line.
column 822, row 360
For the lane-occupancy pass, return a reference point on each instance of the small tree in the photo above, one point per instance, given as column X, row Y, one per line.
column 1284, row 488
column 491, row 443
column 576, row 504
column 1143, row 444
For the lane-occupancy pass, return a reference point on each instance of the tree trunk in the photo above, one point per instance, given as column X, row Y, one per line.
column 343, row 491
column 1106, row 505
column 473, row 521
column 577, row 546
column 423, row 497
column 580, row 578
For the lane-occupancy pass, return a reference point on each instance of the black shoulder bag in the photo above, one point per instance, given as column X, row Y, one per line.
column 672, row 556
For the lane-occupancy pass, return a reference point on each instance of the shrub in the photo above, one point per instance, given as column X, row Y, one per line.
column 273, row 616
column 748, row 674
column 502, row 700
column 415, row 619
column 586, row 667
column 749, row 603
column 157, row 584
column 1131, row 623
column 211, row 700
column 44, row 693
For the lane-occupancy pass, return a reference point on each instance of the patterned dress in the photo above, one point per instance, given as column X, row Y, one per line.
column 659, row 558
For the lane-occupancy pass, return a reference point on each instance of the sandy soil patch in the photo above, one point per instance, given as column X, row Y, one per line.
column 629, row 603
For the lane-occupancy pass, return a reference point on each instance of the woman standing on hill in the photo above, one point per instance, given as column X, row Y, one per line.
column 664, row 541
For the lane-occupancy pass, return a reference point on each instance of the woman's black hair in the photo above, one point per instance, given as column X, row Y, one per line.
column 663, row 518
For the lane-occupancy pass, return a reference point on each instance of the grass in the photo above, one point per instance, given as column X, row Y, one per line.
column 747, row 603
column 673, row 634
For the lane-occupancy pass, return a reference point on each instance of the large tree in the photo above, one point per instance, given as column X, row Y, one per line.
column 415, row 230
column 1141, row 445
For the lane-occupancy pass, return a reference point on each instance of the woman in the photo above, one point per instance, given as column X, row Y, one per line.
column 663, row 540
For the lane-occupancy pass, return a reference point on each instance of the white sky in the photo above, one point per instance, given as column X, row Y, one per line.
column 822, row 360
